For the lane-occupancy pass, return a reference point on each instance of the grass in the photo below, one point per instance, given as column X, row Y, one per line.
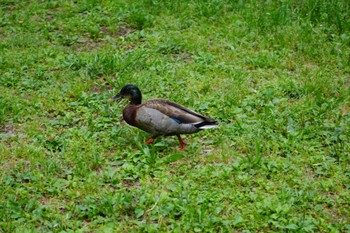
column 275, row 74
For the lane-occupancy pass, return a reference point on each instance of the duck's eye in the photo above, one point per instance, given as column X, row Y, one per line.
column 128, row 96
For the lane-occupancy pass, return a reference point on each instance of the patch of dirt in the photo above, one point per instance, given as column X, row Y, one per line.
column 183, row 56
column 10, row 164
column 131, row 184
column 48, row 201
column 104, row 30
column 335, row 216
column 310, row 66
column 124, row 31
column 49, row 17
column 86, row 43
column 8, row 129
column 10, row 8
column 345, row 110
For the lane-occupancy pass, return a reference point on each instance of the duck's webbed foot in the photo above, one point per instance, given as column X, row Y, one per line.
column 149, row 141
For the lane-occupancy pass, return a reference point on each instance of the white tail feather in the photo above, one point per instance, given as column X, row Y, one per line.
column 208, row 126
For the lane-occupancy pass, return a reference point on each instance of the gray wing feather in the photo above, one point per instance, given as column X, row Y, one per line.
column 178, row 111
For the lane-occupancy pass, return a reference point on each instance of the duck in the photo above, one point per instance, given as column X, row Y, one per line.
column 161, row 117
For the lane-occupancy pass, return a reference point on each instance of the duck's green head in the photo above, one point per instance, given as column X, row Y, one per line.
column 130, row 92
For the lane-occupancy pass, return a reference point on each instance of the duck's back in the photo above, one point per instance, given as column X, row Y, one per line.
column 174, row 110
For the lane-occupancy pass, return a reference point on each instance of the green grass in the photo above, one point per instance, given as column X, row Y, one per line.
column 276, row 74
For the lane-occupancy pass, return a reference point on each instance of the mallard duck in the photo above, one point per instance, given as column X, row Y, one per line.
column 161, row 117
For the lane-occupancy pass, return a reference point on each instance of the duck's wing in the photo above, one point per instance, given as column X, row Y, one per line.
column 179, row 113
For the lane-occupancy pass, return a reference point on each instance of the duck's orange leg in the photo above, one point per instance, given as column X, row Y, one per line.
column 149, row 141
column 182, row 143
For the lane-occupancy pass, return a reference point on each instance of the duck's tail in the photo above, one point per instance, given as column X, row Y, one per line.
column 207, row 124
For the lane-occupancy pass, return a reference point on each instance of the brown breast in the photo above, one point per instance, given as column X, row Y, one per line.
column 129, row 114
